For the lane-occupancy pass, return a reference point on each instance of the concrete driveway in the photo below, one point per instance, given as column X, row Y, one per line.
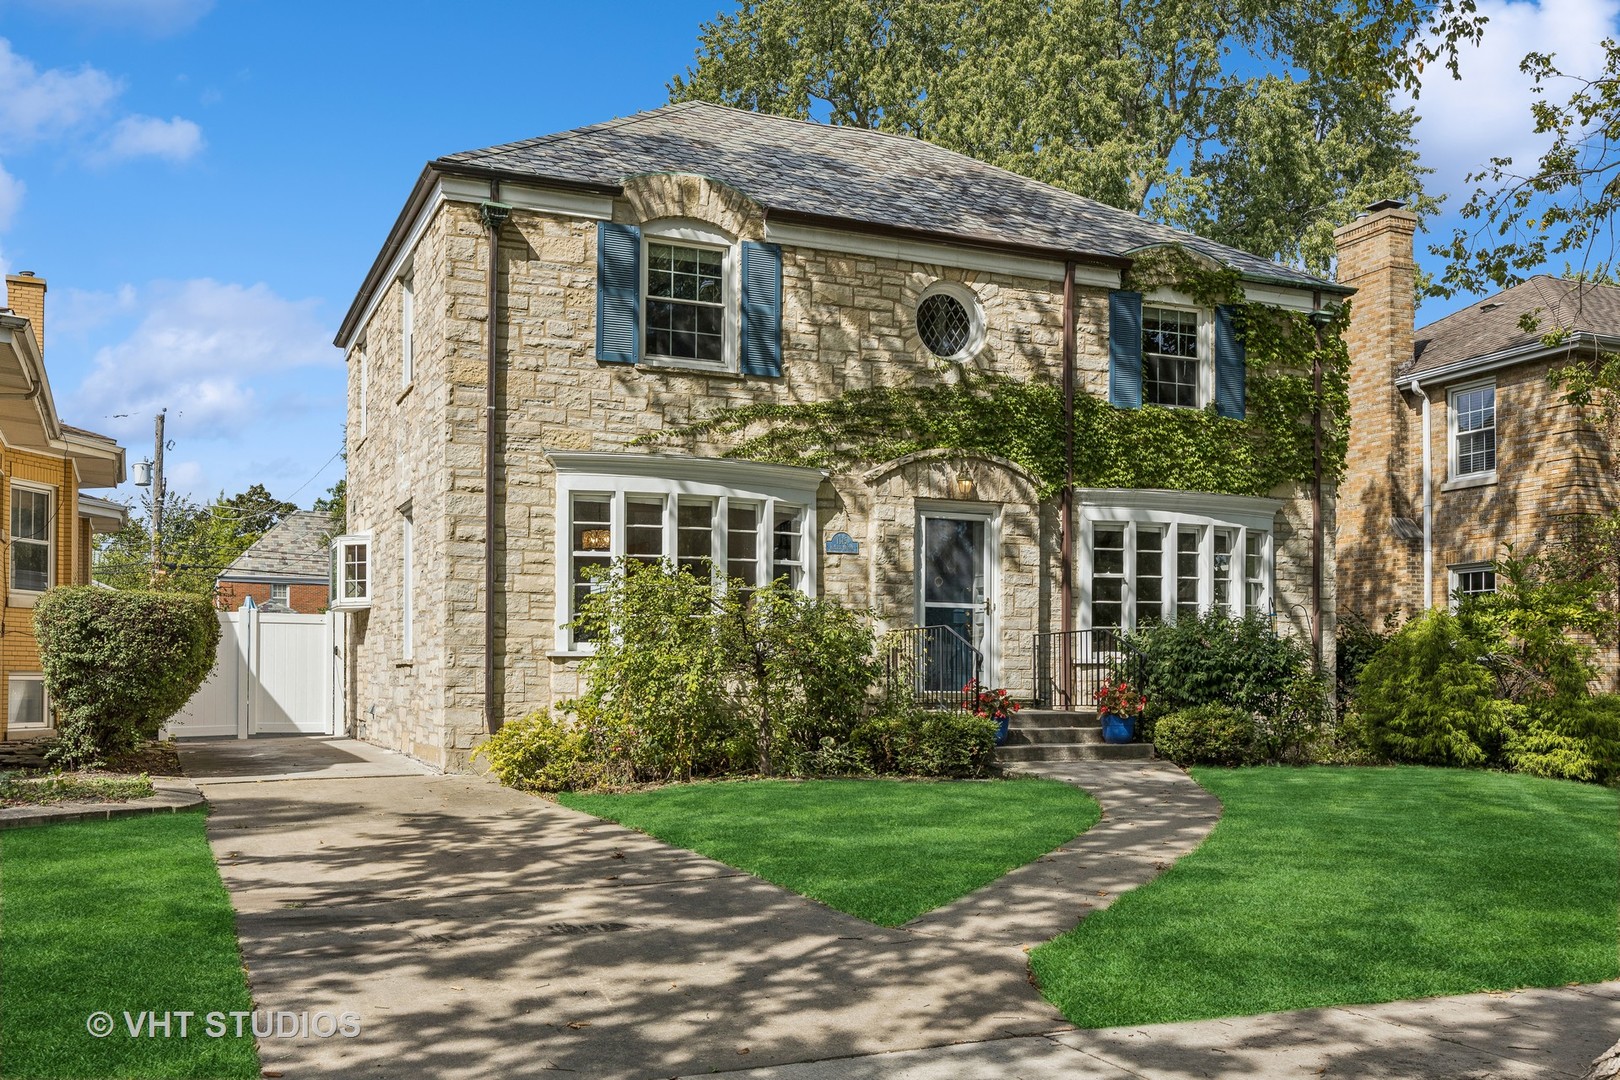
column 478, row 932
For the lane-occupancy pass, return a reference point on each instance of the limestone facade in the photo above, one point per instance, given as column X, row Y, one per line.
column 848, row 321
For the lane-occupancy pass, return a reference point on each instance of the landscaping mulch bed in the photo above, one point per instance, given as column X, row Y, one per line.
column 27, row 779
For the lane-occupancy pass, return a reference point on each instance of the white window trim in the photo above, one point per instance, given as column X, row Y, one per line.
column 16, row 597
column 337, row 601
column 28, row 676
column 1454, row 575
column 407, row 332
column 1169, row 511
column 977, row 330
column 407, row 585
column 285, row 588
column 700, row 234
column 1486, row 475
column 618, row 477
column 1180, row 301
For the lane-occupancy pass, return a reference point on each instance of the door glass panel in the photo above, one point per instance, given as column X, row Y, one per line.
column 953, row 561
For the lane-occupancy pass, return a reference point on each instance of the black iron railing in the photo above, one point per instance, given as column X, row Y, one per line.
column 937, row 664
column 1071, row 666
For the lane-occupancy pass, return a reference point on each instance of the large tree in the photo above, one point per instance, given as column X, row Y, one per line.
column 1260, row 124
column 198, row 541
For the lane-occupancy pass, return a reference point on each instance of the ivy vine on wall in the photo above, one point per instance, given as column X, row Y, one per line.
column 1150, row 447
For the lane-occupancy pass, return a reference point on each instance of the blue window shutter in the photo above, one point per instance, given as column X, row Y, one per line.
column 618, row 293
column 761, row 309
column 1125, row 349
column 1229, row 372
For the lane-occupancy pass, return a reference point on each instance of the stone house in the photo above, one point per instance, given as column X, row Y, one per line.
column 49, row 522
column 286, row 569
column 1460, row 443
column 569, row 314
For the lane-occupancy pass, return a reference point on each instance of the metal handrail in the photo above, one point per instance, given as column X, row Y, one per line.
column 1070, row 666
column 942, row 667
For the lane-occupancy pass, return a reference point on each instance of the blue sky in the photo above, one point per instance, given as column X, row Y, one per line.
column 204, row 184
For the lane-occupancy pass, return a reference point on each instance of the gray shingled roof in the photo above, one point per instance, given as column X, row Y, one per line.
column 850, row 173
column 1492, row 325
column 296, row 549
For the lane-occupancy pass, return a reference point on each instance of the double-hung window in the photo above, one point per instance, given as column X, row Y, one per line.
column 1172, row 358
column 30, row 539
column 1475, row 579
column 735, row 521
column 686, row 301
column 1473, row 431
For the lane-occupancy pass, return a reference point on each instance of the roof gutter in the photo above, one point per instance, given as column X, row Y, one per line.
column 1475, row 365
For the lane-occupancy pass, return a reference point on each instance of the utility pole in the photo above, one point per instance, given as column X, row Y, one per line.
column 157, row 499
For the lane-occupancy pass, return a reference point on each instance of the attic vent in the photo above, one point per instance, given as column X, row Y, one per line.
column 1492, row 306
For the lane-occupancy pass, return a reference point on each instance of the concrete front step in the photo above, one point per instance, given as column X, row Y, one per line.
column 1022, row 736
column 1033, row 718
column 1011, row 754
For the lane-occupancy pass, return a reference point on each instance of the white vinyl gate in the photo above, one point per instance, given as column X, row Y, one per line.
column 276, row 673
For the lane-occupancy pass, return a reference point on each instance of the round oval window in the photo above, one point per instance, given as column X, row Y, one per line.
column 944, row 325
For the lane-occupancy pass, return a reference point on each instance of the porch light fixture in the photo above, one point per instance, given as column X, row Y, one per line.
column 596, row 539
column 964, row 486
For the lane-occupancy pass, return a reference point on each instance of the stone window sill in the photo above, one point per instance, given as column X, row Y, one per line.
column 1474, row 481
column 404, row 663
column 681, row 367
column 568, row 654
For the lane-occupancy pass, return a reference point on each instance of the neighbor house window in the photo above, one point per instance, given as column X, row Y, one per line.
column 30, row 540
column 1160, row 556
column 686, row 301
column 26, row 706
column 1171, row 364
column 281, row 595
column 725, row 519
column 407, row 332
column 351, row 572
column 1473, row 428
column 1478, row 579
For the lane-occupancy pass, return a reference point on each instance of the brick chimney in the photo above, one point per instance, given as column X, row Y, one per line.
column 25, row 295
column 1378, row 504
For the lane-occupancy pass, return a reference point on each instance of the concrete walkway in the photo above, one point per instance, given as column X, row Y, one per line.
column 483, row 933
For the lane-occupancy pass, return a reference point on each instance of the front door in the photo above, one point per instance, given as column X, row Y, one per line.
column 954, row 584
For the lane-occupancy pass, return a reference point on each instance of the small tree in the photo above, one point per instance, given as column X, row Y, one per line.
column 119, row 663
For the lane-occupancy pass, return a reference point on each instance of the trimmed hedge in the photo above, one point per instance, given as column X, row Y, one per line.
column 119, row 663
column 1207, row 735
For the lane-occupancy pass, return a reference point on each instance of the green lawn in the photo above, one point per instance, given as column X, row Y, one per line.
column 127, row 915
column 1326, row 886
column 881, row 850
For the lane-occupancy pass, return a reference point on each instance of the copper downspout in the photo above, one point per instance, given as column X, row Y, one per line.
column 1316, row 485
column 493, row 213
column 1066, row 502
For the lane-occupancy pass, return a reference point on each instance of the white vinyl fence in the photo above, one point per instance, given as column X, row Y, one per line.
column 277, row 673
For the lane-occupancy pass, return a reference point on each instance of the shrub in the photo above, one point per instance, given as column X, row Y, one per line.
column 918, row 743
column 119, row 663
column 1570, row 739
column 1428, row 697
column 1206, row 735
column 537, row 753
column 1527, row 629
column 1355, row 642
column 1212, row 658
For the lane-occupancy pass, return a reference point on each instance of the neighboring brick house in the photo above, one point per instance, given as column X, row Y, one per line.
column 286, row 569
column 48, row 523
column 654, row 270
column 1460, row 444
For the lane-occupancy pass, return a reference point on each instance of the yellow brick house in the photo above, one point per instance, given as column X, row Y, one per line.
column 46, row 520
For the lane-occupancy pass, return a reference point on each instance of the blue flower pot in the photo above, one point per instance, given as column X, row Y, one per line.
column 1001, row 730
column 1118, row 729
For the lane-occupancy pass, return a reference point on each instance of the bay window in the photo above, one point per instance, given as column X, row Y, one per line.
column 734, row 520
column 1156, row 556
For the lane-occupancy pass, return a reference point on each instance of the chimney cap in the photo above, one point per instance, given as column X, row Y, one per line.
column 1386, row 204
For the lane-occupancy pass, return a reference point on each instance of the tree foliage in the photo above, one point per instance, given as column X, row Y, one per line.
column 198, row 541
column 1261, row 125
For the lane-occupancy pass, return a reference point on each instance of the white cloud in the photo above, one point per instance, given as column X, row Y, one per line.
column 11, row 196
column 1486, row 113
column 215, row 354
column 154, row 17
column 36, row 104
column 175, row 139
column 77, row 312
